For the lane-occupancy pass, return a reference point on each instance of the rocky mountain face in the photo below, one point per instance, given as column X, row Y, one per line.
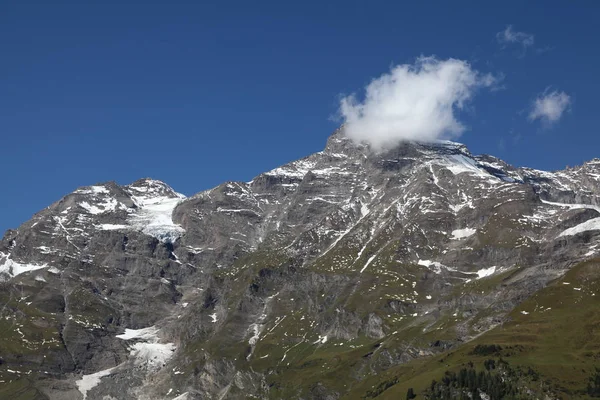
column 306, row 282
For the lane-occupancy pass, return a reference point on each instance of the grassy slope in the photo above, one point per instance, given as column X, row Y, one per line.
column 559, row 337
column 18, row 352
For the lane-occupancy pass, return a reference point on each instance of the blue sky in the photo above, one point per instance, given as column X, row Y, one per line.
column 198, row 93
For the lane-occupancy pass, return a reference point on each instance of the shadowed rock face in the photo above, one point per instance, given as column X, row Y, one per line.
column 345, row 261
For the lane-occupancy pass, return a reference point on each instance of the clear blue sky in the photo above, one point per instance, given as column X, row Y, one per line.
column 196, row 93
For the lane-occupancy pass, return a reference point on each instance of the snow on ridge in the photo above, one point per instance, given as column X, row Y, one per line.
column 459, row 163
column 151, row 187
column 448, row 144
column 295, row 169
column 499, row 171
column 463, row 233
column 589, row 225
column 571, row 206
column 459, row 160
column 536, row 174
column 109, row 204
column 492, row 164
column 147, row 185
column 96, row 189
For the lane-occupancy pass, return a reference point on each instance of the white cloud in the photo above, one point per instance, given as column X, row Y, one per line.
column 413, row 102
column 509, row 35
column 549, row 106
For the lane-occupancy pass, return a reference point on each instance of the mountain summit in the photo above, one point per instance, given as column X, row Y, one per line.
column 346, row 274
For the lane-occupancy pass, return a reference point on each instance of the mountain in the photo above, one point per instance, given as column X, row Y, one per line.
column 346, row 274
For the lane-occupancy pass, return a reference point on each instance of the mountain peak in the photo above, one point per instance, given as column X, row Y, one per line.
column 148, row 187
column 338, row 143
column 417, row 249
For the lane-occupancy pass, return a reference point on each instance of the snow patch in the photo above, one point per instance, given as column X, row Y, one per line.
column 571, row 206
column 437, row 267
column 92, row 190
column 296, row 169
column 321, row 340
column 108, row 204
column 154, row 217
column 13, row 268
column 255, row 329
column 149, row 333
column 589, row 225
column 463, row 233
column 111, row 227
column 88, row 382
column 152, row 355
column 459, row 163
column 369, row 261
column 147, row 351
column 482, row 273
